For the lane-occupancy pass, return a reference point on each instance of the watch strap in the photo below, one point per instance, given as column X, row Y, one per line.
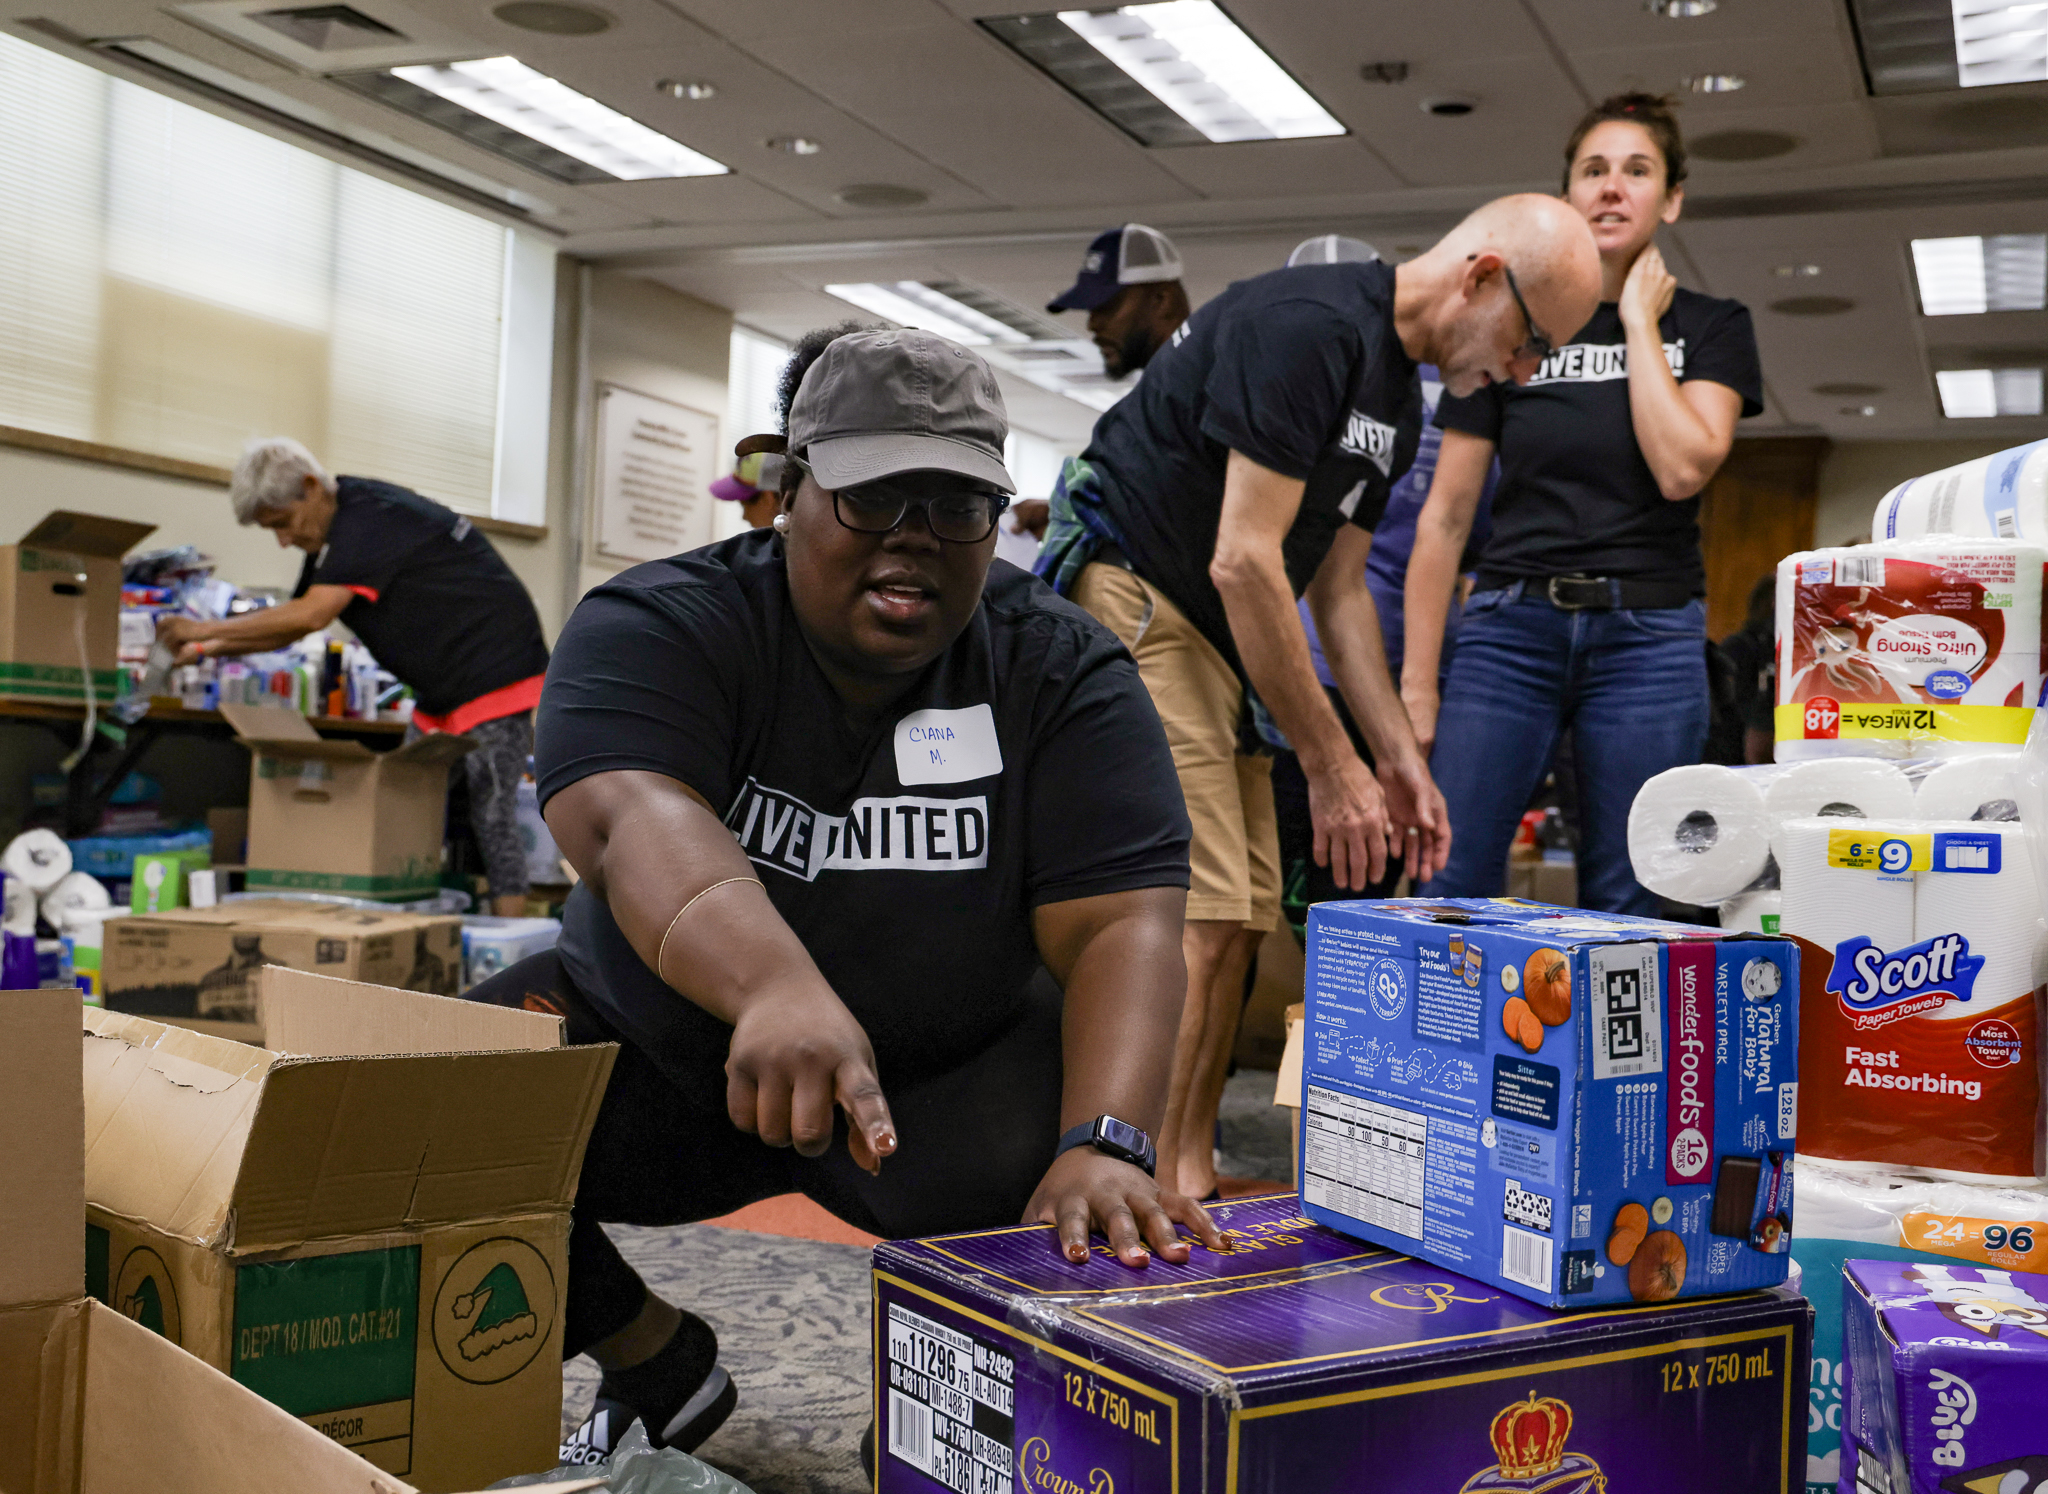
column 1086, row 1134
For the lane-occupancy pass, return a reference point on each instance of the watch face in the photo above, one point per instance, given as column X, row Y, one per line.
column 1122, row 1135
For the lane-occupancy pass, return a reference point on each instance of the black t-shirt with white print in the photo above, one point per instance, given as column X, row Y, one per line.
column 434, row 602
column 1300, row 370
column 1024, row 766
column 1575, row 495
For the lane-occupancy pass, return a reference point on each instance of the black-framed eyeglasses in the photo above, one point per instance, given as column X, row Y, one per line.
column 963, row 513
column 1538, row 346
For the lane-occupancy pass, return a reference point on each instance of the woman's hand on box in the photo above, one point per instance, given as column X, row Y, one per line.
column 1086, row 1191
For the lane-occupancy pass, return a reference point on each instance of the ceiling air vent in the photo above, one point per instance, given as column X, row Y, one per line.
column 329, row 28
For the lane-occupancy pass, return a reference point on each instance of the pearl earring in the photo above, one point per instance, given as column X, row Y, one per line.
column 782, row 523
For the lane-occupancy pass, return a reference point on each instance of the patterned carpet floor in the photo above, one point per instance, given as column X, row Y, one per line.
column 793, row 1324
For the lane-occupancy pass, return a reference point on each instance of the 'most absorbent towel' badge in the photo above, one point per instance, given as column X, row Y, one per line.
column 493, row 1311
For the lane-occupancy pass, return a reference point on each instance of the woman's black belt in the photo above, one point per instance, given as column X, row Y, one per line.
column 1594, row 593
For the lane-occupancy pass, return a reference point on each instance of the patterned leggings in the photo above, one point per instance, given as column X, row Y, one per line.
column 495, row 769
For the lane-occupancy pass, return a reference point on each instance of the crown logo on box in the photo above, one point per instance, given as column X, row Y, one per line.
column 1528, row 1437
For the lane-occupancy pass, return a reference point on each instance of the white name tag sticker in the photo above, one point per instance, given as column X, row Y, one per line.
column 947, row 746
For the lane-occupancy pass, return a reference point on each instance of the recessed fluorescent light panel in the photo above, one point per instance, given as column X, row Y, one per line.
column 2000, row 272
column 1999, row 43
column 912, row 303
column 1977, row 393
column 1175, row 72
column 1929, row 46
column 507, row 107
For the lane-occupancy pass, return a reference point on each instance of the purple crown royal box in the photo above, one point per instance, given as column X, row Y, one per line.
column 1581, row 1108
column 1304, row 1362
column 1946, row 1383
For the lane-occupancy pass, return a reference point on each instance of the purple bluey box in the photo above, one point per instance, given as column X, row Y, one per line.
column 1304, row 1362
column 1581, row 1108
column 1946, row 1383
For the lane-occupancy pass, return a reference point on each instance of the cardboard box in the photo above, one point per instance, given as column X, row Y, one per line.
column 66, row 569
column 1287, row 1085
column 196, row 967
column 370, row 1230
column 333, row 816
column 1306, row 1363
column 1542, row 880
column 90, row 1402
column 1947, row 1377
column 1630, row 1141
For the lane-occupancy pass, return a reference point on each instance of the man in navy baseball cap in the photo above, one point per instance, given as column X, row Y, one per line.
column 1130, row 287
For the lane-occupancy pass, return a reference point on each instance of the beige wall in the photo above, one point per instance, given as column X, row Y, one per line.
column 1855, row 474
column 659, row 342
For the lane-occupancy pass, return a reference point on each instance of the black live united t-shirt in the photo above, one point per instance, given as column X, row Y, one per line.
column 1024, row 766
column 434, row 602
column 1575, row 495
column 1299, row 370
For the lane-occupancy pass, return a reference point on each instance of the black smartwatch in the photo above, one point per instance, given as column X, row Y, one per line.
column 1113, row 1138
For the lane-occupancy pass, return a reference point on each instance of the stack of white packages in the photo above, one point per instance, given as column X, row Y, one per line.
column 1929, row 647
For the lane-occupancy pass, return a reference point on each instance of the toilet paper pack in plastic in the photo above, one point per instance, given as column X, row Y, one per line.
column 2001, row 496
column 1931, row 647
column 1582, row 1109
column 1947, row 1381
column 1871, row 1215
column 1920, row 1041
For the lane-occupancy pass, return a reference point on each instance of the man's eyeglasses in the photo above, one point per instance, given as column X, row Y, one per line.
column 960, row 513
column 1538, row 346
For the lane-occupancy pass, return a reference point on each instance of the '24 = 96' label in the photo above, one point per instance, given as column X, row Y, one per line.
column 951, row 1405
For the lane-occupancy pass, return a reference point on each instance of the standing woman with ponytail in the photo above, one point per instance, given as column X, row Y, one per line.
column 1588, row 615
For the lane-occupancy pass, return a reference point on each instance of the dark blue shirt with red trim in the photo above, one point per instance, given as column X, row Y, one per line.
column 434, row 602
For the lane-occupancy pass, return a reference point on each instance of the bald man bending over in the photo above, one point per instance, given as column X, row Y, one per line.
column 1248, row 470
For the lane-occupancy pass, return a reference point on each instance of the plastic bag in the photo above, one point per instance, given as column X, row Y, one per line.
column 636, row 1466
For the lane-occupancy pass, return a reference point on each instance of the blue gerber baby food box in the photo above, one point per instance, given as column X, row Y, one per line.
column 1947, row 1379
column 1579, row 1108
column 1304, row 1362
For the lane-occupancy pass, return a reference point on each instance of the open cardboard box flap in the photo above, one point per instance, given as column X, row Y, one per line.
column 91, row 1402
column 42, row 1159
column 87, row 534
column 278, row 732
column 321, row 1016
column 341, row 1144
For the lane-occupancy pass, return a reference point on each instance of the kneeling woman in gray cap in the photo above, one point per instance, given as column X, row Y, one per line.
column 839, row 790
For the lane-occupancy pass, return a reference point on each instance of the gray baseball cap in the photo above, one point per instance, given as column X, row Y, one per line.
column 879, row 403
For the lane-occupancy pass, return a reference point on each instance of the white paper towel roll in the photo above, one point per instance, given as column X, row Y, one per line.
column 1998, row 912
column 1698, row 834
column 38, row 857
column 1857, row 787
column 1983, row 787
column 78, row 893
column 1746, row 912
column 1829, row 905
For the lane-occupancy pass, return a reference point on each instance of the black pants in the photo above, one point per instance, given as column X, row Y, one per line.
column 972, row 1144
column 1302, row 882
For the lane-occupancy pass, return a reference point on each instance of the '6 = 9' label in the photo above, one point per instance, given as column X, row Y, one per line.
column 951, row 1413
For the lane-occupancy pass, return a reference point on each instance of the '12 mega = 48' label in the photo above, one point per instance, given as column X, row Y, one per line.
column 951, row 1413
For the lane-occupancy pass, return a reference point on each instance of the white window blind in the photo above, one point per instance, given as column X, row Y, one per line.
column 175, row 283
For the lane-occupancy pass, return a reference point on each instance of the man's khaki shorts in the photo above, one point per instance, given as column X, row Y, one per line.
column 1235, row 857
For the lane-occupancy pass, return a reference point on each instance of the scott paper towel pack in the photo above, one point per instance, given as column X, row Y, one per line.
column 1920, row 1041
column 1931, row 647
column 2002, row 496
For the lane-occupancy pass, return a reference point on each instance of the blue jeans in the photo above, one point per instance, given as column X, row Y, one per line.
column 1631, row 686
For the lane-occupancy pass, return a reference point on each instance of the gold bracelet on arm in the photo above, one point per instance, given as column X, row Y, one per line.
column 661, row 953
